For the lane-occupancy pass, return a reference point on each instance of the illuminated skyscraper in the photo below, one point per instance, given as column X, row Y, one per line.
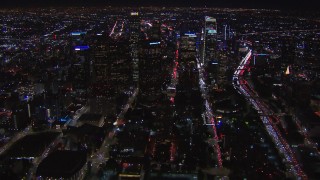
column 150, row 69
column 101, row 62
column 110, row 65
column 134, row 49
column 79, row 73
column 210, row 57
column 209, row 39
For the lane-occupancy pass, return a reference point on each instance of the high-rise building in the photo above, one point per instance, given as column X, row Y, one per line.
column 101, row 62
column 288, row 50
column 134, row 42
column 150, row 70
column 188, row 46
column 121, row 69
column 212, row 55
column 209, row 39
column 111, row 71
column 155, row 31
column 104, row 54
column 79, row 72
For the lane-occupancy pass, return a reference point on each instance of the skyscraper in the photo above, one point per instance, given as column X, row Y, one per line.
column 101, row 64
column 288, row 50
column 111, row 72
column 79, row 72
column 212, row 55
column 209, row 39
column 134, row 49
column 106, row 57
column 150, row 70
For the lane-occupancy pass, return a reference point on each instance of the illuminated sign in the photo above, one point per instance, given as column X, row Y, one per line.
column 191, row 34
column 81, row 48
column 134, row 14
column 78, row 33
column 154, row 43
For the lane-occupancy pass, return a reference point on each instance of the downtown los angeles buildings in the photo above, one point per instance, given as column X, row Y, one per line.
column 158, row 93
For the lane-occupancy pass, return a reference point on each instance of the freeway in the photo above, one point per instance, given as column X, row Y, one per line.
column 282, row 31
column 244, row 88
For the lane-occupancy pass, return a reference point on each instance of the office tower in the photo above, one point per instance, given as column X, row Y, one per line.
column 150, row 70
column 134, row 24
column 288, row 50
column 188, row 43
column 209, row 39
column 121, row 68
column 101, row 54
column 188, row 46
column 79, row 73
column 101, row 62
column 111, row 72
column 154, row 31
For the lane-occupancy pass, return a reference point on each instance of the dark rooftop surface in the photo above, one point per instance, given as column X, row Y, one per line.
column 31, row 145
column 85, row 129
column 90, row 117
column 62, row 164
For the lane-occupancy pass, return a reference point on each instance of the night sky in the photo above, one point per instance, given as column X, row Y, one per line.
column 275, row 4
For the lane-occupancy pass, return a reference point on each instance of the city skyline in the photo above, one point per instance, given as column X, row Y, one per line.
column 159, row 93
column 271, row 4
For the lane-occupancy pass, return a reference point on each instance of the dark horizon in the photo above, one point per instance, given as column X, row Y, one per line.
column 271, row 4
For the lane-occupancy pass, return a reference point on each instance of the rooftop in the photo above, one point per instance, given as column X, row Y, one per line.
column 90, row 117
column 62, row 164
column 31, row 145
